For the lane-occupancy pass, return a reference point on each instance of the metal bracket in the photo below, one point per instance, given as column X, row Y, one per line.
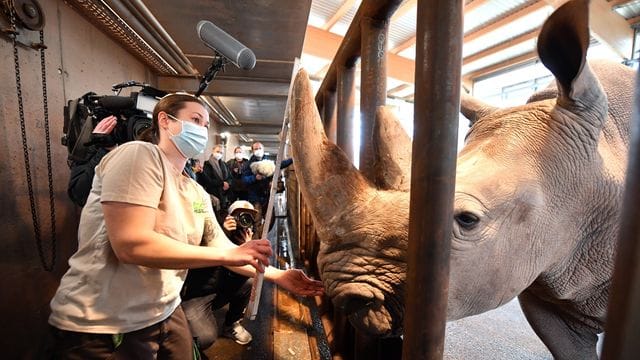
column 29, row 21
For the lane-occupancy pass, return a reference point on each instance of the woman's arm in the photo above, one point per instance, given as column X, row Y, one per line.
column 130, row 229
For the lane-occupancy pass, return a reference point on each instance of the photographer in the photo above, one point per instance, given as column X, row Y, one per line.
column 82, row 172
column 209, row 289
column 139, row 231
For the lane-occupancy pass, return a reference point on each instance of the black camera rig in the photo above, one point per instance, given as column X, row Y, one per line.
column 133, row 113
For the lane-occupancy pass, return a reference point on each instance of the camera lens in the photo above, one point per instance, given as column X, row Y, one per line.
column 138, row 124
column 245, row 220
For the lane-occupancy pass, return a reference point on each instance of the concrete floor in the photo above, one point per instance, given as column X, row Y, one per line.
column 500, row 334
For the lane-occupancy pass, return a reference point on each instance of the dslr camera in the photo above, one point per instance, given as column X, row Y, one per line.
column 133, row 113
column 244, row 219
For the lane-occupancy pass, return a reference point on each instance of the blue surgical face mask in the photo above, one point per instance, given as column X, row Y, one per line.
column 192, row 140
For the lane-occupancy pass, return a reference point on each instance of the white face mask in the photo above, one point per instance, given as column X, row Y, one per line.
column 191, row 140
column 239, row 156
column 217, row 156
column 258, row 153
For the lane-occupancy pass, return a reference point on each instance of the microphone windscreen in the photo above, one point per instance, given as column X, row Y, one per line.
column 218, row 40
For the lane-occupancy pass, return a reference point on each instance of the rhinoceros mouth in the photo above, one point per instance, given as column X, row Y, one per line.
column 375, row 312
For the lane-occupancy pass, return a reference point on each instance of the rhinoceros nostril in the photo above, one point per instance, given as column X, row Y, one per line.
column 355, row 303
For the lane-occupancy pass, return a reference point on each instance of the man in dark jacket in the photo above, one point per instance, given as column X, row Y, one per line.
column 258, row 185
column 216, row 179
column 237, row 166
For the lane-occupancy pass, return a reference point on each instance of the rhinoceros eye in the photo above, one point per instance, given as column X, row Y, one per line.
column 467, row 220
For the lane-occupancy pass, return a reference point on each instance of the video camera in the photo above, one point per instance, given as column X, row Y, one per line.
column 133, row 113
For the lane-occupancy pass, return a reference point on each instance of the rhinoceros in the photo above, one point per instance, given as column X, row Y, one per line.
column 536, row 209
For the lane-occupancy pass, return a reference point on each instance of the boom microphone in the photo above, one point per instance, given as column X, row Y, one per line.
column 218, row 40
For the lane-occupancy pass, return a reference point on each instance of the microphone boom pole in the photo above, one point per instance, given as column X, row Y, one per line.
column 217, row 64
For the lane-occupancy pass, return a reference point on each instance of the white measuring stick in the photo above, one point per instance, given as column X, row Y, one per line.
column 256, row 289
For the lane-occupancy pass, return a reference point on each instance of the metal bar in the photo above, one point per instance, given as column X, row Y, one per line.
column 147, row 17
column 623, row 315
column 346, row 104
column 373, row 87
column 141, row 30
column 329, row 115
column 437, row 104
column 349, row 50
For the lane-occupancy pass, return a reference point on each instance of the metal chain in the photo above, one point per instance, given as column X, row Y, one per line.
column 47, row 134
column 36, row 225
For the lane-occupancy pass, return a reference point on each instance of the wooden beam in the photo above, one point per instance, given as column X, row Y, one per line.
column 502, row 22
column 226, row 87
column 404, row 9
column 528, row 36
column 607, row 26
column 412, row 40
column 474, row 5
column 325, row 44
column 404, row 45
column 397, row 89
column 470, row 77
column 342, row 10
column 321, row 73
column 262, row 129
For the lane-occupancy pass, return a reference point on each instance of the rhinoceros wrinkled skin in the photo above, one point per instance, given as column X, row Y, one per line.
column 536, row 209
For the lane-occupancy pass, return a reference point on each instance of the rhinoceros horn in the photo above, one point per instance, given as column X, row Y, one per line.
column 330, row 183
column 474, row 109
column 393, row 169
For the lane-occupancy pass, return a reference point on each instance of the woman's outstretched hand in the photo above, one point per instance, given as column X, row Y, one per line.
column 296, row 281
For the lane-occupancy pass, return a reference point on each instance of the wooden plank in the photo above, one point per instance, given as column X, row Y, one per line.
column 342, row 10
column 502, row 46
column 504, row 21
column 325, row 44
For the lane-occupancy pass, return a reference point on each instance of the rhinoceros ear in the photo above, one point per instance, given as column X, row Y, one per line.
column 393, row 168
column 328, row 181
column 562, row 47
column 474, row 109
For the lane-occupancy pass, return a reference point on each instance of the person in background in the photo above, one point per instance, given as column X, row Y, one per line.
column 259, row 186
column 82, row 173
column 238, row 165
column 140, row 229
column 216, row 179
column 196, row 166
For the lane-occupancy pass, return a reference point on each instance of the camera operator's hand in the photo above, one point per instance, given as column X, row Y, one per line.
column 255, row 253
column 105, row 127
column 229, row 223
